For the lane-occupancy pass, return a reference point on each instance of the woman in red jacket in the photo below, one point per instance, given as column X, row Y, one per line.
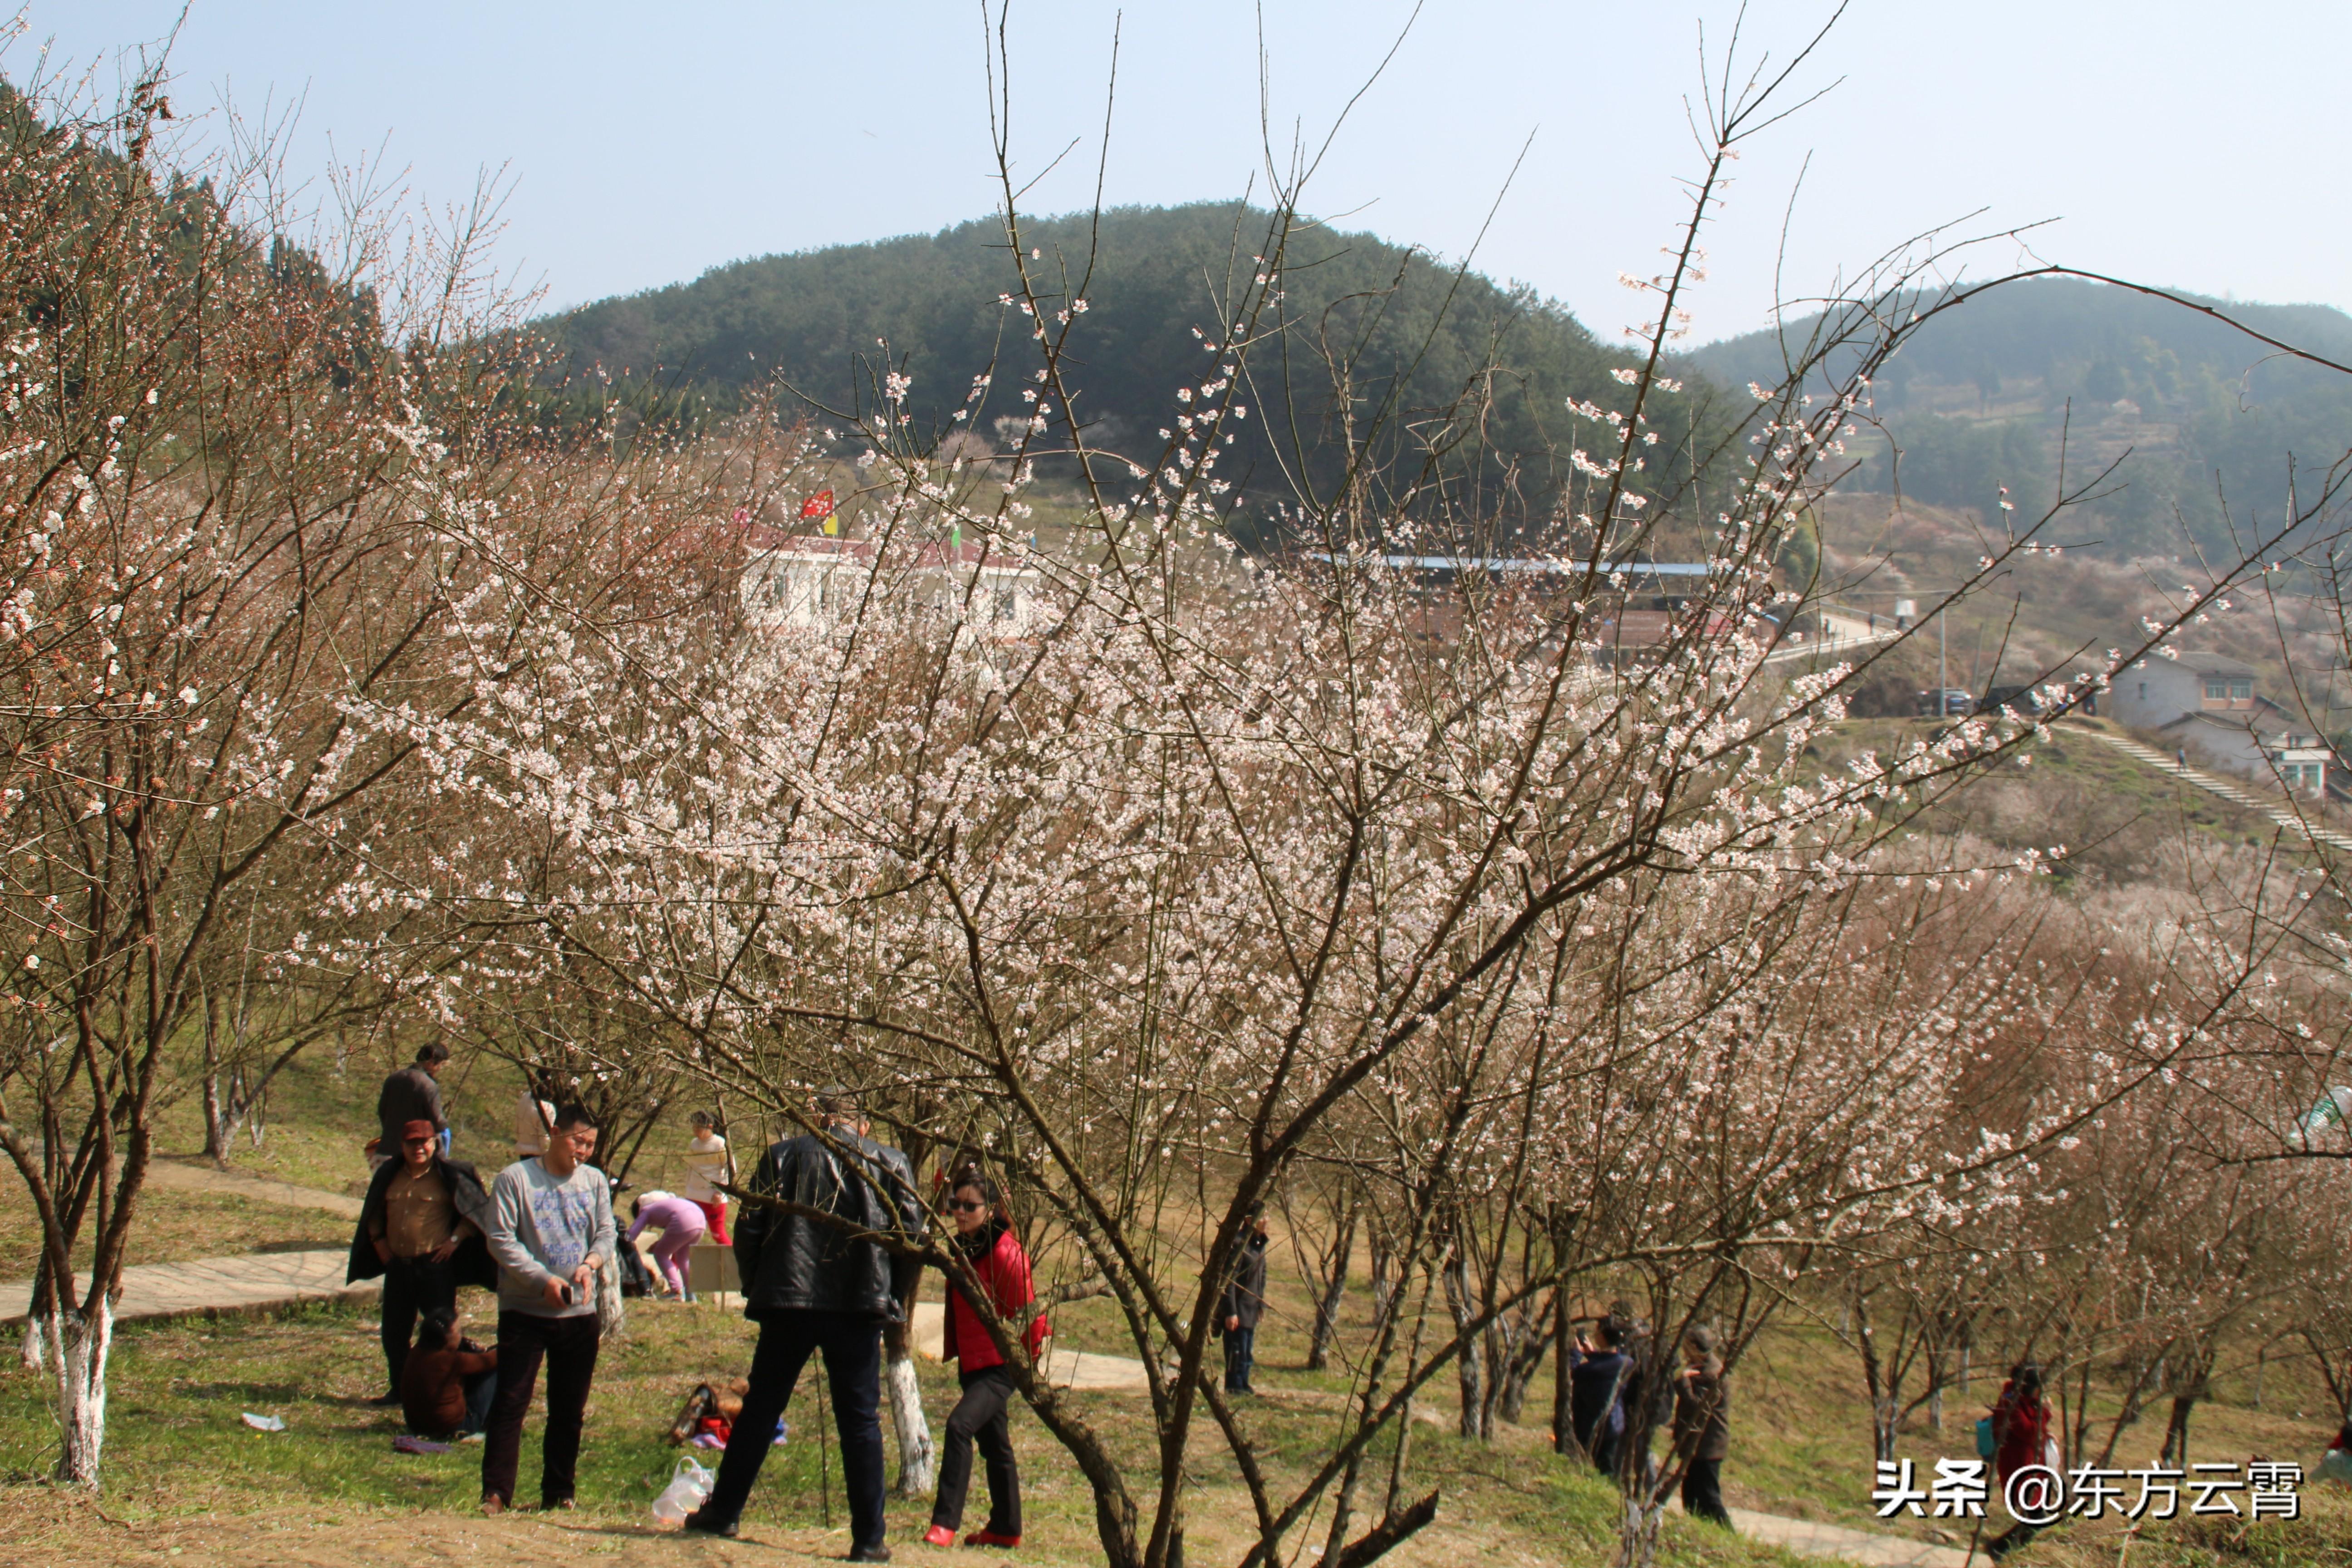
column 995, row 1258
column 2023, row 1426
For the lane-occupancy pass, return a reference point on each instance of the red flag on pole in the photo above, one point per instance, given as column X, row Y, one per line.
column 818, row 505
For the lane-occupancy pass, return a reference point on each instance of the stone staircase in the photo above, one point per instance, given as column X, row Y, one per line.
column 2236, row 794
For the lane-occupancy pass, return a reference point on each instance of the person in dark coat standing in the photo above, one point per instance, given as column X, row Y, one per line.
column 1600, row 1375
column 1000, row 1269
column 421, row 1229
column 1703, row 1427
column 1244, row 1303
column 412, row 1094
column 813, row 1284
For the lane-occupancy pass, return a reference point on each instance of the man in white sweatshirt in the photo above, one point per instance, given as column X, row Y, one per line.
column 551, row 1231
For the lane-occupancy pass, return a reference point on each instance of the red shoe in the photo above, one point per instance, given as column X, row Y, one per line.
column 990, row 1538
column 938, row 1535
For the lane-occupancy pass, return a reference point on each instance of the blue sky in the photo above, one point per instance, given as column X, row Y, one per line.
column 2188, row 144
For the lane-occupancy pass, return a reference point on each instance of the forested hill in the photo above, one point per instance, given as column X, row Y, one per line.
column 814, row 317
column 1984, row 394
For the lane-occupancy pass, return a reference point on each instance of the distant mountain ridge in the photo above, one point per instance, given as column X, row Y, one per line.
column 1995, row 392
column 815, row 319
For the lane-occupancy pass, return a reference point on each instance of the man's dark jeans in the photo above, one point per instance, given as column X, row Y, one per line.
column 569, row 1347
column 852, row 1344
column 1241, row 1356
column 979, row 1417
column 412, row 1287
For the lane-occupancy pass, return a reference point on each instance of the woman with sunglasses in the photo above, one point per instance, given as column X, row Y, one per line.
column 999, row 1266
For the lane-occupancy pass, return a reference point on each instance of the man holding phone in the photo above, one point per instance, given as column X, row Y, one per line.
column 551, row 1230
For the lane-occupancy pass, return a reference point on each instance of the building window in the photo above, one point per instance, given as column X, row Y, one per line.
column 2229, row 687
column 2142, row 691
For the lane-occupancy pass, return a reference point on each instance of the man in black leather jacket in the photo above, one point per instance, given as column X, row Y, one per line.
column 818, row 1284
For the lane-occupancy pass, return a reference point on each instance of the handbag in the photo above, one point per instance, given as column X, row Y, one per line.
column 1985, row 1446
column 610, row 1312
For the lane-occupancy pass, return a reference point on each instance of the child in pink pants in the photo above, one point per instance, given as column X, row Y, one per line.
column 681, row 1225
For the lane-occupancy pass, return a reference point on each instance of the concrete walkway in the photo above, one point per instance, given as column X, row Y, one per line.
column 1807, row 1539
column 2234, row 793
column 1063, row 1368
column 211, row 1286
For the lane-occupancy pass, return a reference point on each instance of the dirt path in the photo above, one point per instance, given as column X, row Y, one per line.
column 188, row 1176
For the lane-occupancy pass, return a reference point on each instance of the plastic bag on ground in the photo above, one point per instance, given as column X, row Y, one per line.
column 264, row 1423
column 689, row 1487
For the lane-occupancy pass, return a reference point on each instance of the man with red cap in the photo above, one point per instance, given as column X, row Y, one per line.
column 422, row 1229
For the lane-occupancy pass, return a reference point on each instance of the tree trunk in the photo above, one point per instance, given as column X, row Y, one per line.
column 216, row 1127
column 1886, row 1399
column 32, row 1355
column 1518, row 1372
column 1637, row 1536
column 85, row 1338
column 1470, row 1363
column 1326, row 1305
column 216, row 1131
column 917, row 1459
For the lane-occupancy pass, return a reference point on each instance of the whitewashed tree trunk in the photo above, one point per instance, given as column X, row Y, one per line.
column 84, row 1340
column 33, row 1354
column 917, row 1458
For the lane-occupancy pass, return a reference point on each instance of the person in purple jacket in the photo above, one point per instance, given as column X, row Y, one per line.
column 681, row 1224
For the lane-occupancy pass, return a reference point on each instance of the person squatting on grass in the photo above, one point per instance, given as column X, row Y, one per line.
column 1703, row 1427
column 815, row 1284
column 422, row 1228
column 447, row 1387
column 1243, row 1302
column 708, row 1164
column 681, row 1224
column 551, row 1231
column 996, row 1258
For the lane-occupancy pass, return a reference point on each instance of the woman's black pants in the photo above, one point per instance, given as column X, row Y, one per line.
column 1703, row 1491
column 979, row 1417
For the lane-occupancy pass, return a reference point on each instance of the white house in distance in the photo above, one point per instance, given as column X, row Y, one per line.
column 2205, row 704
column 807, row 582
